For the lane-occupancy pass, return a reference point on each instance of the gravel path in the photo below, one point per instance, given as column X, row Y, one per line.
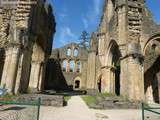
column 78, row 110
column 75, row 110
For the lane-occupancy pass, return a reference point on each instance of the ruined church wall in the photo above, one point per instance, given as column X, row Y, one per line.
column 19, row 32
column 127, row 26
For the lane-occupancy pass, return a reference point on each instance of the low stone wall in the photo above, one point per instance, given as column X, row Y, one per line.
column 114, row 102
column 46, row 100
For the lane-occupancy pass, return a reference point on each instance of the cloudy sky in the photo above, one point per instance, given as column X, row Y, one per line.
column 74, row 16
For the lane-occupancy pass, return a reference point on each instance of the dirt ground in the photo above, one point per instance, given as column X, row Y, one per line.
column 78, row 110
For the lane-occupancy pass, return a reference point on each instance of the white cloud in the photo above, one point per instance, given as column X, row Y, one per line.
column 63, row 15
column 97, row 5
column 92, row 13
column 85, row 22
column 66, row 35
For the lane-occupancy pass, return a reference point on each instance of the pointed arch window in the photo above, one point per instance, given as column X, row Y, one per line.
column 75, row 52
column 64, row 65
column 71, row 65
column 68, row 52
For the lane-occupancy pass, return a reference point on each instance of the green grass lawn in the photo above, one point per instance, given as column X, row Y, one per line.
column 66, row 98
column 91, row 99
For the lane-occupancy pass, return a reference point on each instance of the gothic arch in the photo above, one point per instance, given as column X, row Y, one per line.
column 68, row 52
column 75, row 52
column 151, row 53
column 72, row 65
column 111, row 47
column 153, row 37
column 113, row 67
column 64, row 65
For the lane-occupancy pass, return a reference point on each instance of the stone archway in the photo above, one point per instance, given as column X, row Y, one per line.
column 113, row 65
column 152, row 70
column 77, row 83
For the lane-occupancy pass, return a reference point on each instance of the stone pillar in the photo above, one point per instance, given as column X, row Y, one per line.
column 124, row 78
column 122, row 40
column 35, row 75
column 75, row 66
column 67, row 66
column 10, row 68
column 135, row 79
column 24, row 71
column 19, row 72
column 112, row 82
column 41, row 75
column 105, row 80
column 91, row 71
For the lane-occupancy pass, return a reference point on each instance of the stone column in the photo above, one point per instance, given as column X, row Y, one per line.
column 68, row 66
column 124, row 78
column 91, row 71
column 112, row 88
column 41, row 75
column 105, row 80
column 19, row 72
column 25, row 72
column 135, row 80
column 122, row 41
column 75, row 66
column 10, row 68
column 34, row 76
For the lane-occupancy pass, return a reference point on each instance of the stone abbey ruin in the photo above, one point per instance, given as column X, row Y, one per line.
column 26, row 29
column 123, row 57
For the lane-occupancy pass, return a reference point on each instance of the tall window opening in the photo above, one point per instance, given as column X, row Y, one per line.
column 64, row 65
column 71, row 65
column 75, row 52
column 69, row 52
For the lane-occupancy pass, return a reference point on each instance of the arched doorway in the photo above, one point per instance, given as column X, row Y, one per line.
column 113, row 64
column 77, row 83
column 152, row 70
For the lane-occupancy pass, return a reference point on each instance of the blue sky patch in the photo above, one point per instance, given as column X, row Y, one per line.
column 75, row 16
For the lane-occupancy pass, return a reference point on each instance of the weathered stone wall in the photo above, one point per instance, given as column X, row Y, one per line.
column 60, row 77
column 129, row 25
column 26, row 38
